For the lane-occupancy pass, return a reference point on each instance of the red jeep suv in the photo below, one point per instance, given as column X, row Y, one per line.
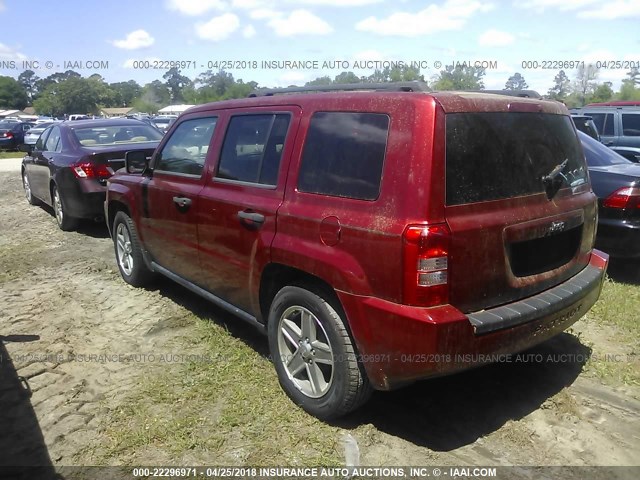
column 377, row 237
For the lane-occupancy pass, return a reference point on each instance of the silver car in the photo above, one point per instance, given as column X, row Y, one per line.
column 31, row 137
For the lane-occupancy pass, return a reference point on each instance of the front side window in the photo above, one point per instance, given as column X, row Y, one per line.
column 186, row 150
column 344, row 154
column 631, row 125
column 53, row 142
column 252, row 148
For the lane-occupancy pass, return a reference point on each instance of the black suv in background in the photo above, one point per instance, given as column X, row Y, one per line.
column 619, row 127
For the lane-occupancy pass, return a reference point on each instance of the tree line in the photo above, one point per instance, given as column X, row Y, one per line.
column 70, row 92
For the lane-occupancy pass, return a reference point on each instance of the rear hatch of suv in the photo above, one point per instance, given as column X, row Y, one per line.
column 518, row 201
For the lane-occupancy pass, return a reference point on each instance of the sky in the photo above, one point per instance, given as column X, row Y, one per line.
column 135, row 40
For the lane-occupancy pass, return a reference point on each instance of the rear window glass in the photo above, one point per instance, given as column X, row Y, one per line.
column 492, row 156
column 598, row 155
column 116, row 134
column 344, row 154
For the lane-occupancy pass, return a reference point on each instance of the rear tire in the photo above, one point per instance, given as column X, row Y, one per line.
column 314, row 354
column 27, row 190
column 65, row 222
column 129, row 252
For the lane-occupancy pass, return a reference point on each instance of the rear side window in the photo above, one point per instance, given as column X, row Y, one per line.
column 343, row 155
column 253, row 147
column 492, row 156
column 631, row 125
column 603, row 121
column 41, row 142
column 53, row 142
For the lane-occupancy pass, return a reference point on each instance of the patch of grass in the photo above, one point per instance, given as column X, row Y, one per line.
column 613, row 334
column 619, row 305
column 224, row 408
column 562, row 403
column 620, row 369
column 4, row 154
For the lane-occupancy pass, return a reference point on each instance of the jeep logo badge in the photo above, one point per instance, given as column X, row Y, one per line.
column 556, row 227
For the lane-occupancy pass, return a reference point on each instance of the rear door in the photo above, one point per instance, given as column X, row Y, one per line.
column 237, row 207
column 513, row 233
column 170, row 196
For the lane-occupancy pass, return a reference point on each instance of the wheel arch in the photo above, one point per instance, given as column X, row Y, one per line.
column 275, row 276
column 113, row 207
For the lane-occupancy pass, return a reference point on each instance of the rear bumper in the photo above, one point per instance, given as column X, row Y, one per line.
column 8, row 143
column 619, row 238
column 83, row 198
column 399, row 344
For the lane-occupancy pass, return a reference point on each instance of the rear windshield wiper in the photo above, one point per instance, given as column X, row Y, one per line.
column 553, row 180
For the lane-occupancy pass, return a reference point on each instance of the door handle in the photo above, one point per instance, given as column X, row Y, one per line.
column 182, row 202
column 609, row 143
column 251, row 216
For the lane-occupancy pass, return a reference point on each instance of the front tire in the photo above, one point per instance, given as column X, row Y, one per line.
column 314, row 355
column 129, row 252
column 65, row 222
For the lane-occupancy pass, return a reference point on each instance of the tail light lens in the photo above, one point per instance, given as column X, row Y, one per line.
column 91, row 170
column 426, row 265
column 7, row 135
column 623, row 198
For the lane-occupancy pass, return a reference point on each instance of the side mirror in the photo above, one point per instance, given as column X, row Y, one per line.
column 136, row 162
column 28, row 149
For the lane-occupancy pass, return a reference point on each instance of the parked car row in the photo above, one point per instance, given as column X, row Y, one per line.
column 376, row 237
column 68, row 166
column 616, row 182
column 12, row 134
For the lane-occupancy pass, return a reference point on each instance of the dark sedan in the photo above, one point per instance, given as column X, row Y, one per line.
column 616, row 182
column 70, row 163
column 12, row 134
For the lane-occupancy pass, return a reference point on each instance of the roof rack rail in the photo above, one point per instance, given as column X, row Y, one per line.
column 513, row 93
column 414, row 86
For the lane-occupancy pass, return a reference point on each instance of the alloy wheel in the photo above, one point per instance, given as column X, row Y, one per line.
column 305, row 351
column 124, row 248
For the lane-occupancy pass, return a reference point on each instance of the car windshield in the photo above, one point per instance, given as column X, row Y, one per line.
column 597, row 154
column 116, row 134
column 7, row 124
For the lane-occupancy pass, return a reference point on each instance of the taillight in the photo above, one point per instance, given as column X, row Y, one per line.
column 426, row 265
column 623, row 198
column 7, row 135
column 91, row 170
